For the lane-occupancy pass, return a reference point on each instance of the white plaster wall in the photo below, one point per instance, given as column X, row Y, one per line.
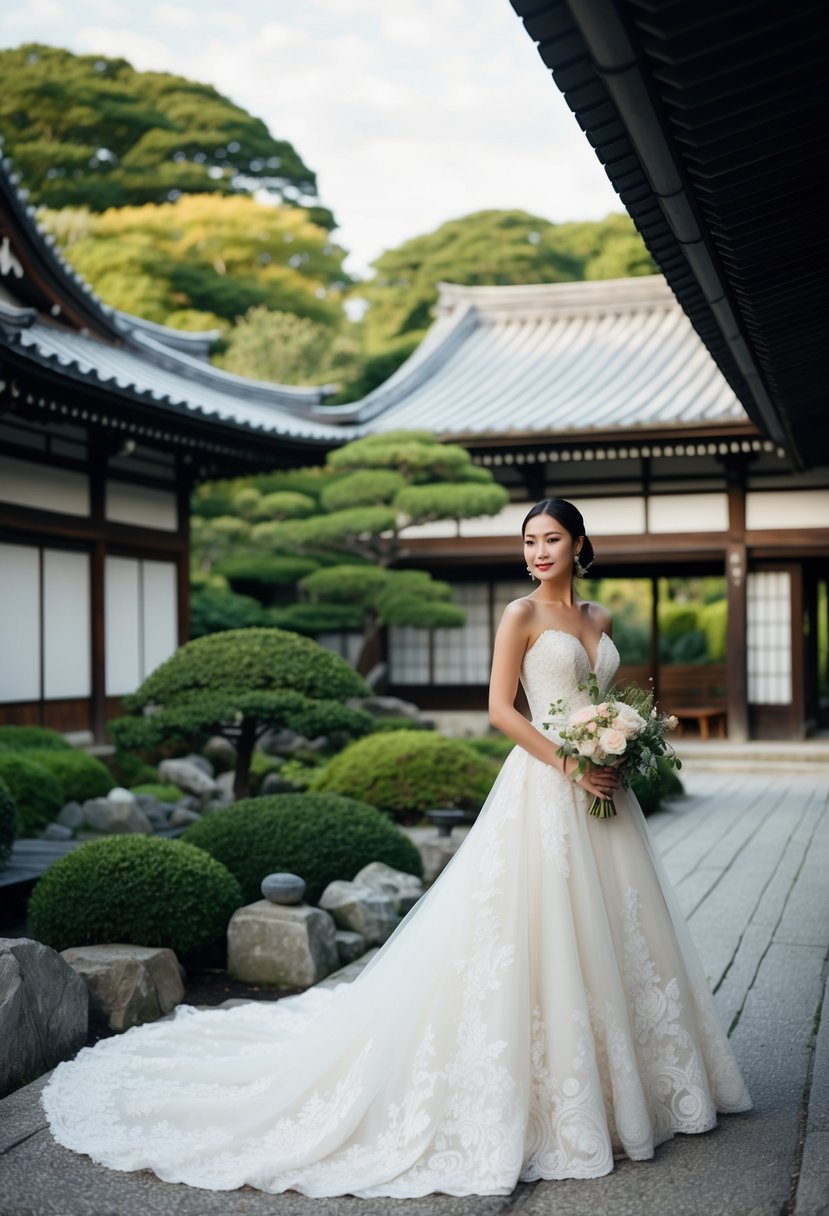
column 67, row 659
column 773, row 509
column 688, row 513
column 122, row 625
column 141, row 506
column 45, row 487
column 160, row 613
column 19, row 623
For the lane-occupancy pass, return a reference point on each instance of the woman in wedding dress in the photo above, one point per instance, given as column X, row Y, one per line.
column 540, row 1010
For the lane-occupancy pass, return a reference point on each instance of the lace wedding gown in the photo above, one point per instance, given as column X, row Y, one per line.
column 540, row 1009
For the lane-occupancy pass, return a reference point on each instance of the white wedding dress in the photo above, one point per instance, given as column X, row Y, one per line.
column 540, row 1009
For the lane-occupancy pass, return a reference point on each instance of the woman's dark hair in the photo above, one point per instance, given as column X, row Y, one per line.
column 570, row 518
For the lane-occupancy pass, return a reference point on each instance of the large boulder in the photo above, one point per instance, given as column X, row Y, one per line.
column 43, row 1011
column 404, row 890
column 189, row 777
column 436, row 852
column 128, row 985
column 360, row 909
column 293, row 946
column 71, row 815
column 115, row 817
column 350, row 945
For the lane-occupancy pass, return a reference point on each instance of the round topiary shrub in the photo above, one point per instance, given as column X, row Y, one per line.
column 22, row 738
column 8, row 823
column 139, row 889
column 160, row 790
column 406, row 772
column 321, row 837
column 81, row 776
column 37, row 794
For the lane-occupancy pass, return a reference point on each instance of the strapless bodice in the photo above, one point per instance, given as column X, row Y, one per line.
column 556, row 664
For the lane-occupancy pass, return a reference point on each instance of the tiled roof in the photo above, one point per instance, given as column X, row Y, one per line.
column 544, row 358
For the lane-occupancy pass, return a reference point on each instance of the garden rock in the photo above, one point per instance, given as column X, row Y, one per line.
column 188, row 777
column 201, row 762
column 221, row 752
column 360, row 909
column 215, row 804
column 71, row 815
column 224, row 784
column 182, row 816
column 127, row 984
column 43, row 1011
column 115, row 818
column 294, row 947
column 436, row 852
column 121, row 797
column 385, row 707
column 57, row 831
column 278, row 742
column 404, row 890
column 350, row 945
column 283, row 888
column 274, row 783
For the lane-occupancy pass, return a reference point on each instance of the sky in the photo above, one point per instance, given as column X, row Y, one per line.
column 411, row 112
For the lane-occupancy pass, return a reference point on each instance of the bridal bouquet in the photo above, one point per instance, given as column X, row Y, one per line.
column 623, row 730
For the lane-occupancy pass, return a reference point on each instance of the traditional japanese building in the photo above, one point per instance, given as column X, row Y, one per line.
column 603, row 393
column 106, row 421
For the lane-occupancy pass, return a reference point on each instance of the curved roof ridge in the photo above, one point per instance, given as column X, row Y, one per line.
column 587, row 295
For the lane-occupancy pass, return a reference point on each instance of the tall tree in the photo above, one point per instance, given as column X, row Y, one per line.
column 491, row 247
column 204, row 260
column 90, row 130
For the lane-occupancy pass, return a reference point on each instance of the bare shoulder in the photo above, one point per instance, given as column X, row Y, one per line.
column 599, row 615
column 518, row 616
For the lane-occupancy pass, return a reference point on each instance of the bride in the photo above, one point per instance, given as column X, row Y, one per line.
column 540, row 1011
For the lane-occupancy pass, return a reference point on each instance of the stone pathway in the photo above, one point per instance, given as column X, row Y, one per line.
column 748, row 852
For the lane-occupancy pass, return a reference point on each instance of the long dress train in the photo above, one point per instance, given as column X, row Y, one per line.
column 540, row 1008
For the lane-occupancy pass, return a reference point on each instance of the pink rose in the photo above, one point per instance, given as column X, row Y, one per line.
column 628, row 721
column 587, row 747
column 612, row 742
column 582, row 715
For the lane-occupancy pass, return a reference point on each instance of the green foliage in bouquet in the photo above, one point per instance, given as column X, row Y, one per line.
column 8, row 823
column 38, row 795
column 240, row 684
column 139, row 889
column 321, row 837
column 407, row 772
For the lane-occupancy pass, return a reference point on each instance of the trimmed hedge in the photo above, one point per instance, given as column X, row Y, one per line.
column 139, row 889
column 321, row 837
column 23, row 738
column 494, row 747
column 159, row 790
column 37, row 794
column 407, row 772
column 8, row 823
column 81, row 776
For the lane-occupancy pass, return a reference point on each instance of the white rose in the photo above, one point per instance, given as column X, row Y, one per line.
column 612, row 742
column 587, row 747
column 628, row 721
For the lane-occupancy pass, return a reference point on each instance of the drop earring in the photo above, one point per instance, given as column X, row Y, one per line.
column 578, row 569
column 532, row 576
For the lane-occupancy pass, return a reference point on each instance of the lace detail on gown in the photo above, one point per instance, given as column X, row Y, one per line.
column 536, row 1011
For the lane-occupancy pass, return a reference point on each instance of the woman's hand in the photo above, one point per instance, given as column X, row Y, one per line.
column 599, row 781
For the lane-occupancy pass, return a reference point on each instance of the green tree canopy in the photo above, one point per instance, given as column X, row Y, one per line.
column 492, row 247
column 239, row 683
column 203, row 261
column 288, row 349
column 86, row 129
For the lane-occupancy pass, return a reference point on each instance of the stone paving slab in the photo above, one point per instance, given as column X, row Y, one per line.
column 758, row 863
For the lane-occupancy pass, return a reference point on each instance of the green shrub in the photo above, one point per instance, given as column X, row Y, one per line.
column 130, row 770
column 22, row 738
column 494, row 747
column 8, row 823
column 266, row 569
column 139, row 889
column 713, row 620
column 321, row 837
column 82, row 776
column 406, row 772
column 260, row 765
column 37, row 794
column 217, row 611
column 384, row 725
column 157, row 789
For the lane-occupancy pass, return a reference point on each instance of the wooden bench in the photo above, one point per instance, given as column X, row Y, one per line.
column 695, row 692
column 706, row 717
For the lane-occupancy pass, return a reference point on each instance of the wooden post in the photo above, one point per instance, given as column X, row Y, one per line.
column 736, row 576
column 655, row 635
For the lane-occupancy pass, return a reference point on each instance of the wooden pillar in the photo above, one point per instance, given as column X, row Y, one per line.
column 97, row 570
column 736, row 575
column 654, row 658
